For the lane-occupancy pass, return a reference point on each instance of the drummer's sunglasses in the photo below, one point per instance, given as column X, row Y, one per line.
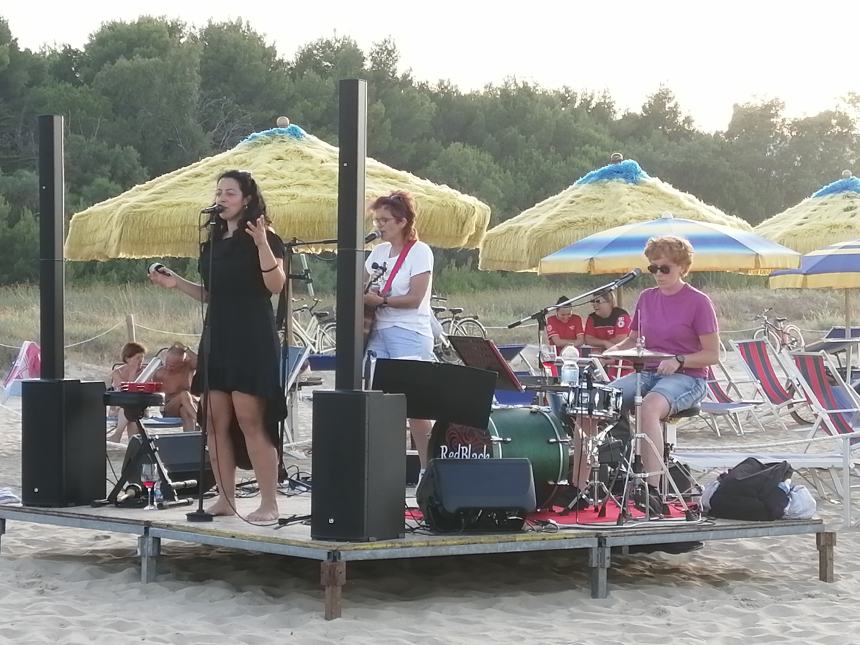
column 662, row 268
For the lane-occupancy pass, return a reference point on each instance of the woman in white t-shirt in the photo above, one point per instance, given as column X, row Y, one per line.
column 402, row 328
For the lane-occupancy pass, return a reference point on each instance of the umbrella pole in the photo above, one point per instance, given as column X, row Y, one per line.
column 848, row 337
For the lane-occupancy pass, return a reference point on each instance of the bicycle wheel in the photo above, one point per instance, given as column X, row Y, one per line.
column 447, row 324
column 445, row 352
column 470, row 327
column 768, row 336
column 327, row 338
column 793, row 338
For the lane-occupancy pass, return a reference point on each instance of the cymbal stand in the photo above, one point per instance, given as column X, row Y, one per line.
column 636, row 477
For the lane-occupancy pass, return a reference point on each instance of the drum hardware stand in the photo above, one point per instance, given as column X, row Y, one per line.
column 636, row 477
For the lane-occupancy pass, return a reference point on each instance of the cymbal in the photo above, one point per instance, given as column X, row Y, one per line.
column 635, row 355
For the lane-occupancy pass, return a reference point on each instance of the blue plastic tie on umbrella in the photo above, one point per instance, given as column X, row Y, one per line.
column 848, row 185
column 627, row 171
column 292, row 131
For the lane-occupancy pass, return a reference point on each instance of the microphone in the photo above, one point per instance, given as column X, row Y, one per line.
column 627, row 277
column 212, row 211
column 303, row 260
column 373, row 235
column 158, row 266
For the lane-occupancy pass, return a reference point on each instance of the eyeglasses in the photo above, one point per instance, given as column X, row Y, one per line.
column 381, row 221
column 662, row 268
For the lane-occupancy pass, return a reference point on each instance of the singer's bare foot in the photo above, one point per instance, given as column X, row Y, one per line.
column 265, row 514
column 222, row 507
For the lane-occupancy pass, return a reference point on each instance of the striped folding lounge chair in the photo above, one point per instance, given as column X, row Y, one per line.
column 837, row 420
column 779, row 395
column 718, row 404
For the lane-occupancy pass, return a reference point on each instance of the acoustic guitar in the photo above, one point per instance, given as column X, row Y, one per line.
column 378, row 270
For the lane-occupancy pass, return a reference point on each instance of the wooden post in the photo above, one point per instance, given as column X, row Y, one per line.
column 129, row 328
column 332, row 578
column 825, row 543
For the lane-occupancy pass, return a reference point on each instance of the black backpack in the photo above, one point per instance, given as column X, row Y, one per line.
column 751, row 491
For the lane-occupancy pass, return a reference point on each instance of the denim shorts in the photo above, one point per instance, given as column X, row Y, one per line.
column 680, row 390
column 397, row 342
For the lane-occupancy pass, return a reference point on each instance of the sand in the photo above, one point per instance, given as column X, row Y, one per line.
column 79, row 586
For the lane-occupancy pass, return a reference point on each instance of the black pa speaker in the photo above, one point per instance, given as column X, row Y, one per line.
column 180, row 454
column 477, row 494
column 358, row 466
column 62, row 442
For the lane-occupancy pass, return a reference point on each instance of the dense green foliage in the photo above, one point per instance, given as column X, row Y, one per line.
column 147, row 97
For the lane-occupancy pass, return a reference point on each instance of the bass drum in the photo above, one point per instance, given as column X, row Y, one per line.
column 530, row 432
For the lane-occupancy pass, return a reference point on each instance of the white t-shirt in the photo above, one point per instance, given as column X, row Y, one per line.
column 419, row 260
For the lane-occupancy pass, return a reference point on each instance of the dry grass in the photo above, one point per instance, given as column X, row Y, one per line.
column 163, row 316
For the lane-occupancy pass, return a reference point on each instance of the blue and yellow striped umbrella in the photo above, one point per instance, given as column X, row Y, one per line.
column 717, row 248
column 834, row 267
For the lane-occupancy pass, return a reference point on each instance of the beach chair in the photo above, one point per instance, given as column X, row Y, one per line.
column 837, row 343
column 836, row 410
column 719, row 404
column 779, row 394
column 293, row 359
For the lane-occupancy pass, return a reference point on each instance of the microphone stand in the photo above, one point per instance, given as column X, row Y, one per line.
column 201, row 515
column 540, row 315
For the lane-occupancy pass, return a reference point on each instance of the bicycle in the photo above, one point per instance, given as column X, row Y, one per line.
column 778, row 332
column 442, row 347
column 316, row 329
column 457, row 324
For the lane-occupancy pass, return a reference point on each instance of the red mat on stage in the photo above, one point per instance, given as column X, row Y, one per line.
column 586, row 516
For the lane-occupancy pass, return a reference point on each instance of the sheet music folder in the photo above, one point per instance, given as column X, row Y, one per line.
column 483, row 354
column 438, row 390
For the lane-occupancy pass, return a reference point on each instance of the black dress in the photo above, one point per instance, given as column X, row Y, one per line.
column 243, row 354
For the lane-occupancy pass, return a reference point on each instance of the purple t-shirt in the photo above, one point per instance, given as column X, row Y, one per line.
column 673, row 324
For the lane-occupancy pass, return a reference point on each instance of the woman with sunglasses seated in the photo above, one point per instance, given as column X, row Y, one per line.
column 678, row 320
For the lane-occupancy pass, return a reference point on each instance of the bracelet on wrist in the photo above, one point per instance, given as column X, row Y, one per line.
column 269, row 270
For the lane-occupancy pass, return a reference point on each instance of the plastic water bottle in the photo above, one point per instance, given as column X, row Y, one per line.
column 157, row 494
column 569, row 374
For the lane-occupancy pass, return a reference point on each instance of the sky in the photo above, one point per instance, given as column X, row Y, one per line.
column 711, row 54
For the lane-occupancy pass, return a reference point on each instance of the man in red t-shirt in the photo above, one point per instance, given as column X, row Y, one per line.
column 607, row 326
column 565, row 327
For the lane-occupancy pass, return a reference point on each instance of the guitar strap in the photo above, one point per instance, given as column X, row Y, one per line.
column 386, row 290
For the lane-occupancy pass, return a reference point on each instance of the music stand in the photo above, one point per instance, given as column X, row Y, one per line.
column 439, row 391
column 483, row 354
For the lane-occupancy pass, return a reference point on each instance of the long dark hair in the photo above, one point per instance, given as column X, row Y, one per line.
column 255, row 208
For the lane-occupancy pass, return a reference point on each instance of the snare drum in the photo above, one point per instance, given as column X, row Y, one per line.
column 599, row 401
column 531, row 432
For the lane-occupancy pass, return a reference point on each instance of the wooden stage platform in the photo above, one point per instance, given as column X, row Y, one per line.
column 151, row 527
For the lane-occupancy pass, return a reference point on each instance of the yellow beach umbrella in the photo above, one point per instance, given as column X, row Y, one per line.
column 617, row 194
column 297, row 173
column 830, row 215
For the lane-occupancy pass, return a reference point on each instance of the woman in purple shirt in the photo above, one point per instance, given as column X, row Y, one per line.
column 676, row 319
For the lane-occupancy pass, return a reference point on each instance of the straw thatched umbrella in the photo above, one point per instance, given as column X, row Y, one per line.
column 717, row 248
column 620, row 193
column 832, row 214
column 298, row 175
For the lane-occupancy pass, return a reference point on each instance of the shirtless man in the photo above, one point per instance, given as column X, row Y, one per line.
column 175, row 376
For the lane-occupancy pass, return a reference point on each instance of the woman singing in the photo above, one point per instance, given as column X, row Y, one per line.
column 675, row 319
column 246, row 260
column 402, row 328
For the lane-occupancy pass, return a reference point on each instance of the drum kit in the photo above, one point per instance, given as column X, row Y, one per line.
column 584, row 418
